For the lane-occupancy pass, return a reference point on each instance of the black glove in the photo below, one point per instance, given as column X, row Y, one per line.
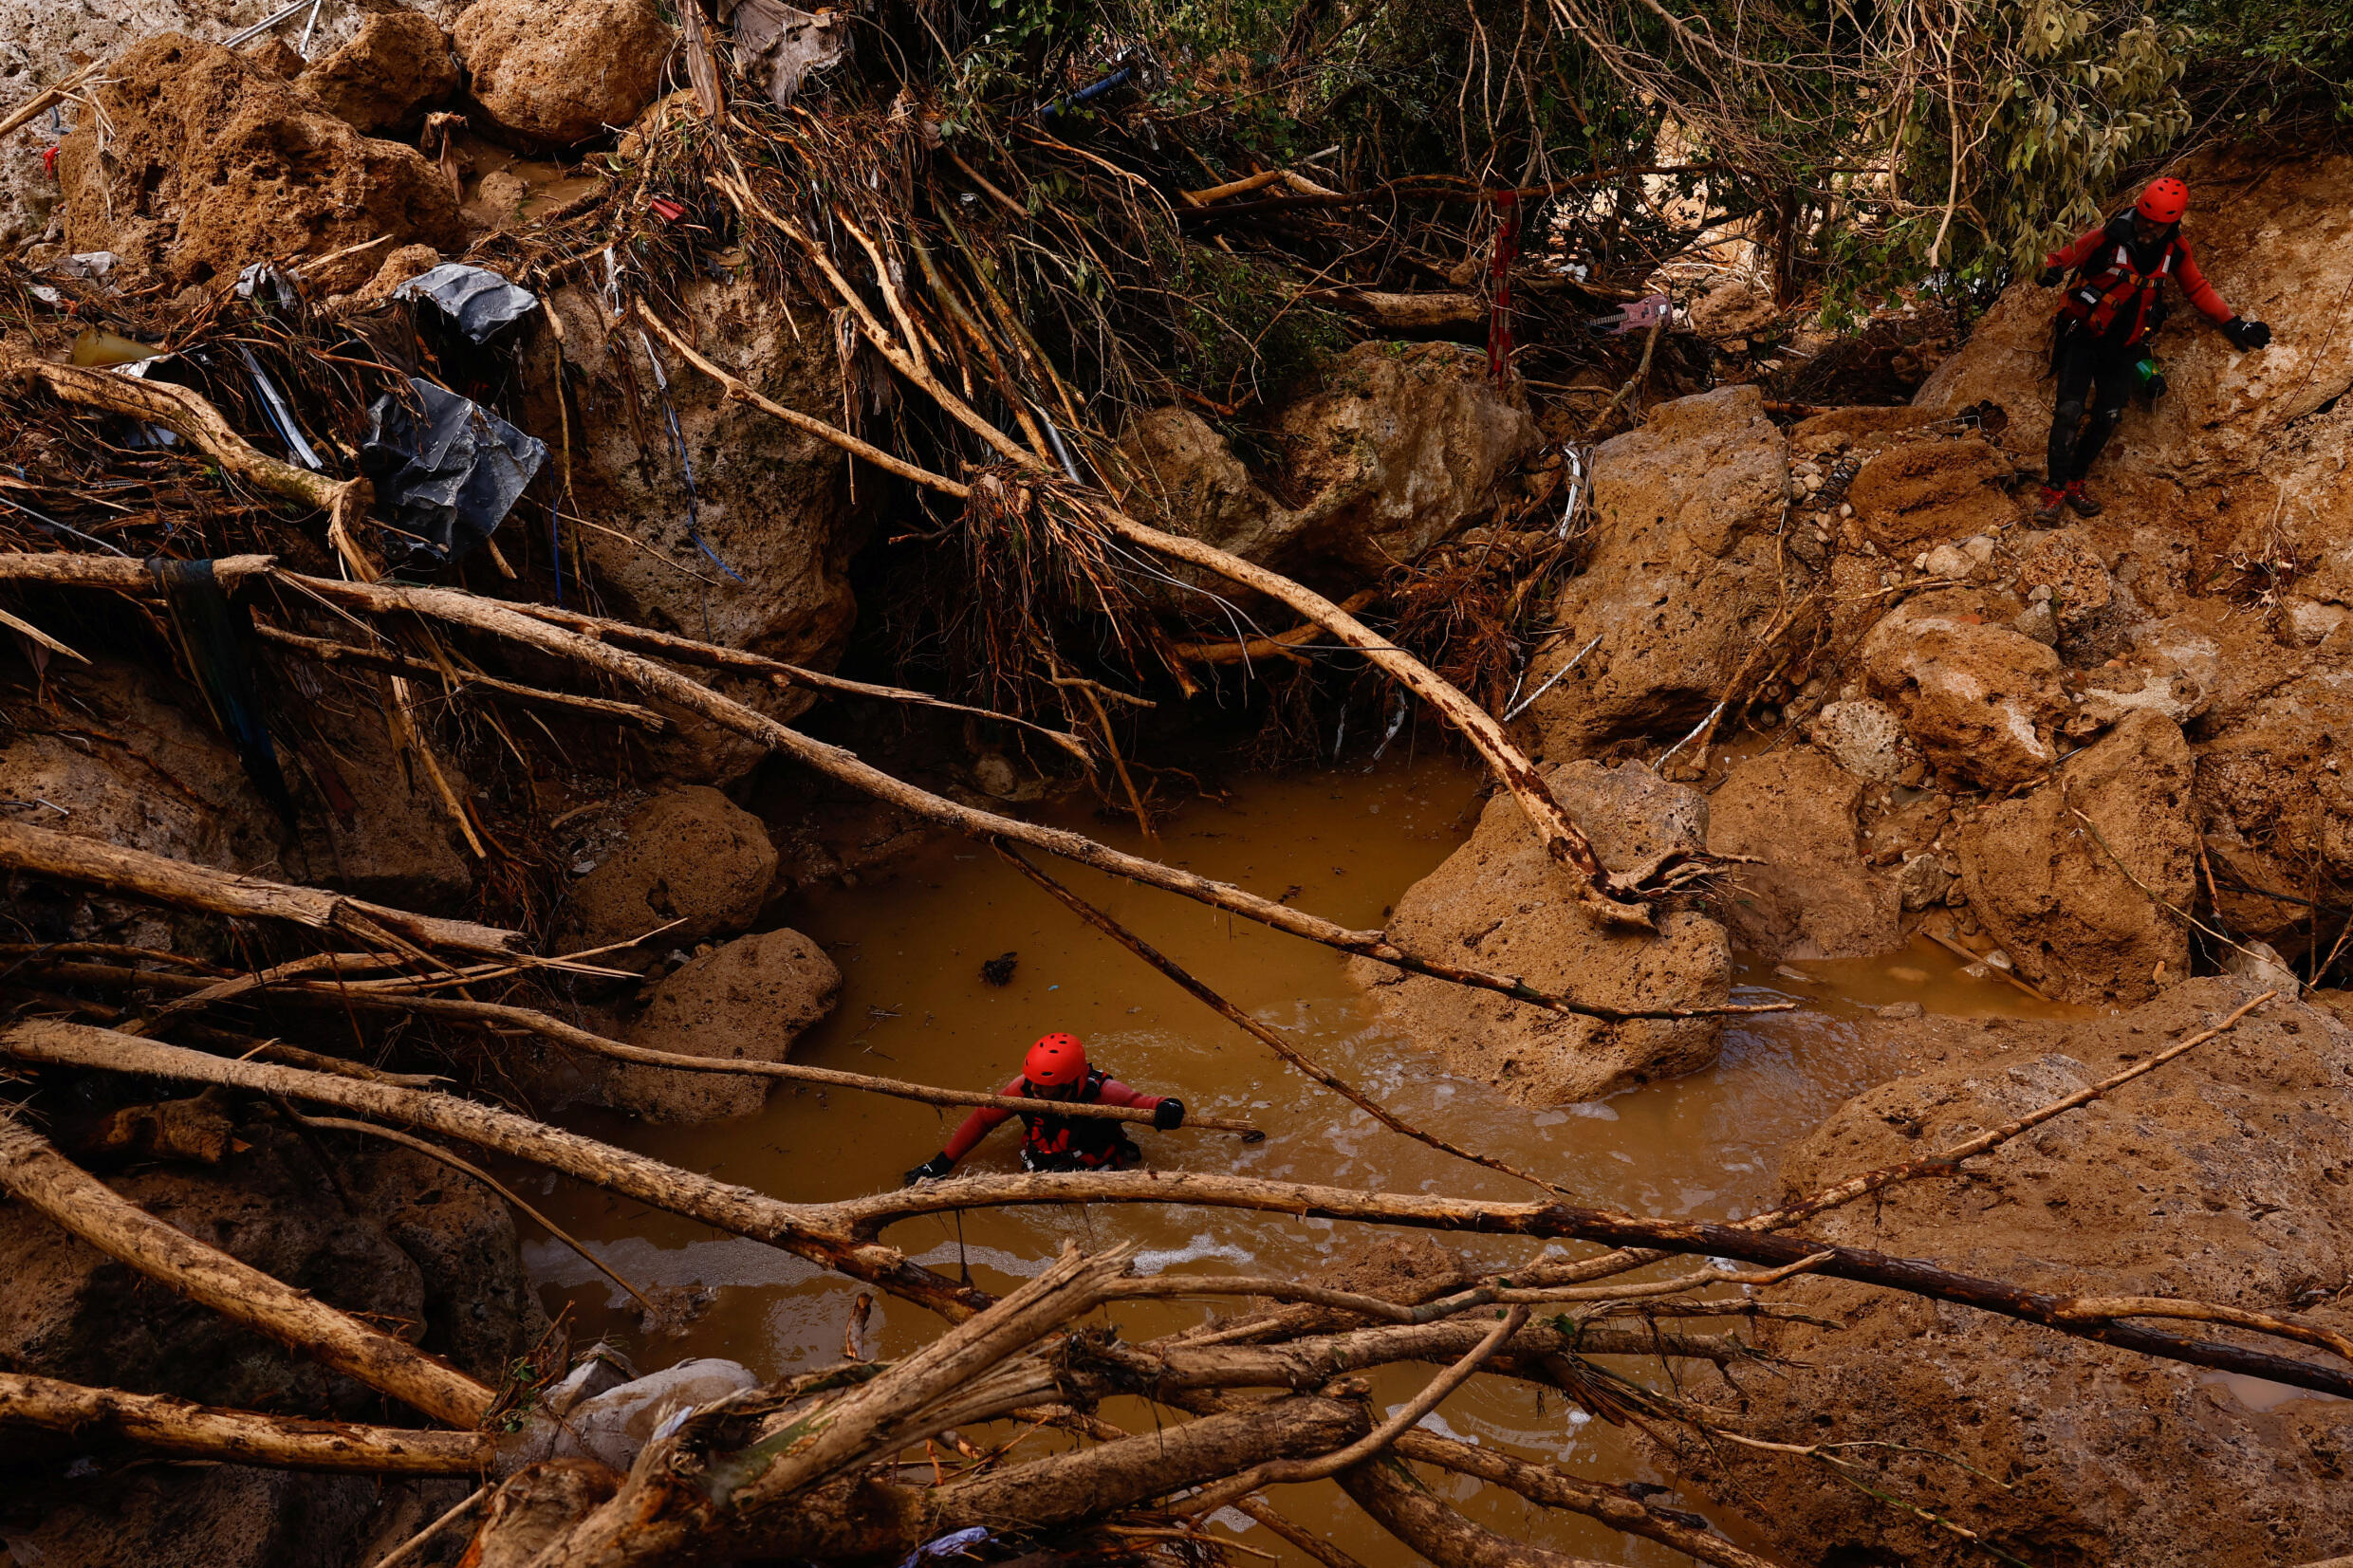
column 2050, row 277
column 931, row 1170
column 1169, row 1113
column 2245, row 335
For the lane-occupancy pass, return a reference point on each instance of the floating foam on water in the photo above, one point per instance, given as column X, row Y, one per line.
column 1159, row 1259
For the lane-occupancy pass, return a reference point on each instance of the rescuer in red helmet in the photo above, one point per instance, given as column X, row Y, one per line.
column 1057, row 1069
column 2115, row 304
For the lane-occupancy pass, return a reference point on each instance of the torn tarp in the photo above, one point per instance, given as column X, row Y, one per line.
column 477, row 299
column 446, row 473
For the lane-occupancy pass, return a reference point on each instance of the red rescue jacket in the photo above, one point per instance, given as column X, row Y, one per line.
column 2118, row 279
column 1086, row 1140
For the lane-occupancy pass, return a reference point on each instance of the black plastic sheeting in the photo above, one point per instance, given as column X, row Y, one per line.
column 446, row 470
column 479, row 300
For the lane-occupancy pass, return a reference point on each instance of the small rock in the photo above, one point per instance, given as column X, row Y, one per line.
column 2259, row 963
column 1863, row 737
column 2036, row 621
column 1901, row 1011
column 1949, row 560
column 1923, row 881
column 395, row 68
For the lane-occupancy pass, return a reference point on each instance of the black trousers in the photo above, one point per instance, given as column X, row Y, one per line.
column 2096, row 379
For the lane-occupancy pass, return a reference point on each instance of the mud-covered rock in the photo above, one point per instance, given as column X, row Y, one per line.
column 1929, row 491
column 1681, row 579
column 2277, row 804
column 552, row 75
column 1500, row 903
column 1400, row 446
column 388, row 75
column 2223, row 1178
column 156, row 775
column 689, row 855
column 748, row 1000
column 1980, row 699
column 205, row 163
column 2048, row 885
column 424, row 1249
column 1795, row 811
column 775, row 506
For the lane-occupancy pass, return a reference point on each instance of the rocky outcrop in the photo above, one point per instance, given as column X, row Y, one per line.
column 1500, row 903
column 388, row 75
column 1980, row 700
column 777, row 506
column 690, row 856
column 2223, row 1178
column 207, row 164
column 1795, row 811
column 2067, row 876
column 748, row 1001
column 2271, row 234
column 1681, row 579
column 550, row 76
column 1400, row 447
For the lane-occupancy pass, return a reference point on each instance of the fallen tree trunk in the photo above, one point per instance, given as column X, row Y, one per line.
column 1438, row 1533
column 329, row 997
column 183, row 884
column 738, row 1211
column 41, row 1179
column 843, row 1235
column 518, row 625
column 238, row 1437
column 1562, row 839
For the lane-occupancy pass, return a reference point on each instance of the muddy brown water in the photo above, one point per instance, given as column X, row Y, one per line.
column 910, row 940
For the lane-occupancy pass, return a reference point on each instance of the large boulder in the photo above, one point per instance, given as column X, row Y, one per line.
column 550, row 76
column 690, row 856
column 382, row 81
column 1926, row 492
column 1398, row 448
column 402, row 1238
column 1796, row 811
column 2277, row 805
column 165, row 780
column 43, row 44
column 1681, row 580
column 779, row 507
column 419, row 1249
column 1500, row 903
column 2270, row 233
column 2067, row 878
column 1979, row 699
column 190, row 162
column 746, row 1001
column 2223, row 1178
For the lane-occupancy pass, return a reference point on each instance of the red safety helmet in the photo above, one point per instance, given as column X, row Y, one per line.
column 1055, row 1062
column 2164, row 201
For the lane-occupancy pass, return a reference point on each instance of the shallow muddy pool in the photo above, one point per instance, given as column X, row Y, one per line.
column 911, row 941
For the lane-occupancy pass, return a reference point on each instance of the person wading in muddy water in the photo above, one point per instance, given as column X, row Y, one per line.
column 2114, row 306
column 1057, row 1069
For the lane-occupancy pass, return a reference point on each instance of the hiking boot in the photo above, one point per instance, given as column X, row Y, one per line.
column 2047, row 510
column 2080, row 500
